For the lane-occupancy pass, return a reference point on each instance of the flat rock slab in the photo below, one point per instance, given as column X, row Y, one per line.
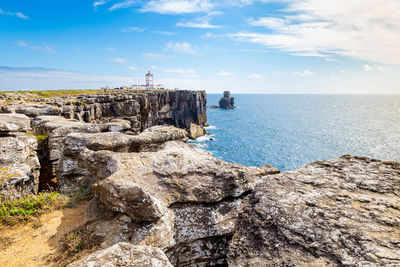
column 340, row 212
column 12, row 123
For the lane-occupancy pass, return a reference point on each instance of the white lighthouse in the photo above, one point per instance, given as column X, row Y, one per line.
column 149, row 81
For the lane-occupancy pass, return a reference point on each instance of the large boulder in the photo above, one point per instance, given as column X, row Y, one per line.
column 125, row 254
column 13, row 124
column 73, row 171
column 340, row 212
column 173, row 196
column 145, row 184
column 19, row 164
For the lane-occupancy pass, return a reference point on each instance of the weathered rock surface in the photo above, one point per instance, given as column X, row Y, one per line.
column 141, row 109
column 73, row 171
column 19, row 164
column 172, row 196
column 227, row 101
column 125, row 254
column 341, row 212
column 196, row 131
column 14, row 124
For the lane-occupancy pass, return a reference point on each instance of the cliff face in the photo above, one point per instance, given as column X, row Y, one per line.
column 141, row 109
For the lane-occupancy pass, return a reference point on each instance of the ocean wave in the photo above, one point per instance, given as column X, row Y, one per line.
column 211, row 127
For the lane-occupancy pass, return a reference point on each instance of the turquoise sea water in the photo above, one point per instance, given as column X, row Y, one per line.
column 287, row 131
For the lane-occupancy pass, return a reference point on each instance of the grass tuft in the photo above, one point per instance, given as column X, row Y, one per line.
column 24, row 210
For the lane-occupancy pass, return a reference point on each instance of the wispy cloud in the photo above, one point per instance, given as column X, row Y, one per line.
column 183, row 71
column 181, row 48
column 367, row 30
column 255, row 76
column 132, row 68
column 201, row 22
column 132, row 29
column 43, row 48
column 156, row 56
column 304, row 73
column 165, row 33
column 99, row 3
column 119, row 60
column 123, row 4
column 111, row 49
column 367, row 67
column 16, row 14
column 224, row 73
column 177, row 6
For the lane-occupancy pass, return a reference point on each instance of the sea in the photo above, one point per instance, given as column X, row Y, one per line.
column 288, row 131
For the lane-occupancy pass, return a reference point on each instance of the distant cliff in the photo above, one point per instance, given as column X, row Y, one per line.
column 141, row 109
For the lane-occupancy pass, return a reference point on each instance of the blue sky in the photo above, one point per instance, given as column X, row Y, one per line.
column 246, row 46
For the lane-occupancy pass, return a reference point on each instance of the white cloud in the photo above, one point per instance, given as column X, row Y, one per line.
column 44, row 79
column 380, row 68
column 180, row 48
column 123, row 4
column 132, row 68
column 201, row 22
column 21, row 15
column 132, row 29
column 17, row 14
column 224, row 73
column 99, row 3
column 367, row 67
column 111, row 49
column 183, row 71
column 278, row 74
column 177, row 6
column 156, row 56
column 304, row 73
column 44, row 48
column 119, row 60
column 165, row 33
column 367, row 30
column 255, row 76
column 334, row 77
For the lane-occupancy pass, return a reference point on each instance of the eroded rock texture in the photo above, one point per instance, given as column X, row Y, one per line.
column 141, row 109
column 125, row 255
column 19, row 164
column 341, row 212
column 172, row 195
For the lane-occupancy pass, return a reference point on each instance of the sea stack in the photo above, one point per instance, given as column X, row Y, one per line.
column 227, row 101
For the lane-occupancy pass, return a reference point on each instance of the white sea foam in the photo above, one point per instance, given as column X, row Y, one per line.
column 211, row 127
column 205, row 138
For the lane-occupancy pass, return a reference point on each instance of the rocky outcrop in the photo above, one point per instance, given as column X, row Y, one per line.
column 19, row 164
column 73, row 170
column 141, row 109
column 227, row 102
column 341, row 212
column 172, row 196
column 125, row 254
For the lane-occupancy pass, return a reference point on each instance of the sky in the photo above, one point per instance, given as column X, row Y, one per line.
column 245, row 46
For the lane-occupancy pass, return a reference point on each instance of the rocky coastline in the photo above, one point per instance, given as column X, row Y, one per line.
column 158, row 201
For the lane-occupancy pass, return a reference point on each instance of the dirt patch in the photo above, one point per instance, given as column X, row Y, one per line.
column 32, row 245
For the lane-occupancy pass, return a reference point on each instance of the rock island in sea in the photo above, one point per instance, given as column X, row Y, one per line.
column 155, row 200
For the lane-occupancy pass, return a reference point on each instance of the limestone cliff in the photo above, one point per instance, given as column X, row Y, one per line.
column 142, row 109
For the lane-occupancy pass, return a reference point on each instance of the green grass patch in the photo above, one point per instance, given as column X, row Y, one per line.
column 24, row 210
